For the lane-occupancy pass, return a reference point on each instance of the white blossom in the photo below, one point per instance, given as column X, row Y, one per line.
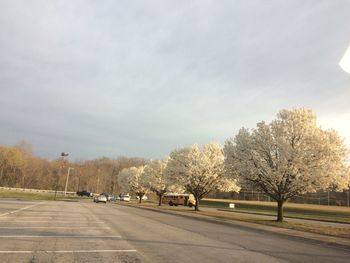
column 288, row 157
column 200, row 171
column 133, row 179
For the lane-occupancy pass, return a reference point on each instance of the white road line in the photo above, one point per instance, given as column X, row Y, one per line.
column 21, row 209
column 16, row 202
column 57, row 236
column 53, row 227
column 67, row 251
column 48, row 221
column 23, row 217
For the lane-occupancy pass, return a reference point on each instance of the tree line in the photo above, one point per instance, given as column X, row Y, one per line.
column 289, row 156
column 20, row 168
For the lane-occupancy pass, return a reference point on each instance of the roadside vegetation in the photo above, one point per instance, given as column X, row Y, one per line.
column 20, row 168
column 289, row 156
column 302, row 211
column 34, row 195
column 284, row 158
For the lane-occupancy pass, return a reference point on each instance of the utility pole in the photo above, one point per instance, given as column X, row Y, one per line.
column 63, row 154
column 67, row 178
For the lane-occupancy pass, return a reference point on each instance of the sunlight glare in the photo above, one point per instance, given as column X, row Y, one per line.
column 345, row 61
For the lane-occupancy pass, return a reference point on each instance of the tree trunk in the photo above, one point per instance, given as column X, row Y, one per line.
column 140, row 198
column 196, row 207
column 280, row 210
column 23, row 181
column 160, row 199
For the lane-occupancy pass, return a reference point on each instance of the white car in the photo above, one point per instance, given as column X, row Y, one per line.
column 143, row 197
column 125, row 198
column 100, row 198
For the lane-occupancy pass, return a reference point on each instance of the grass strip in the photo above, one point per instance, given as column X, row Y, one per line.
column 302, row 211
column 35, row 196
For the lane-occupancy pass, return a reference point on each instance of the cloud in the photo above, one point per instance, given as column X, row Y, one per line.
column 137, row 78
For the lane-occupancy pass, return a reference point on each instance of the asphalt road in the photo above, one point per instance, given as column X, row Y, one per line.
column 88, row 232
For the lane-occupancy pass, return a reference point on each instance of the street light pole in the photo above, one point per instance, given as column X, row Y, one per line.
column 63, row 154
column 67, row 178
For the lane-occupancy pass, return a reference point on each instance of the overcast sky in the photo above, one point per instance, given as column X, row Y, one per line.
column 140, row 78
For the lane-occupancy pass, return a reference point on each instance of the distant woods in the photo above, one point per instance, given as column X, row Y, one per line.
column 20, row 168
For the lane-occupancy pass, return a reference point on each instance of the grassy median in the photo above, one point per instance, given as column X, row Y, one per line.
column 306, row 227
column 303, row 211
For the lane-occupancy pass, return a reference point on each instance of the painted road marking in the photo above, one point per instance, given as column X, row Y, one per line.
column 21, row 218
column 54, row 227
column 67, row 251
column 49, row 221
column 21, row 209
column 16, row 202
column 57, row 236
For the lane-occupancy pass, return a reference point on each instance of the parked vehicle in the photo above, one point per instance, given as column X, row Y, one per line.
column 143, row 197
column 126, row 198
column 179, row 199
column 111, row 198
column 100, row 198
column 105, row 194
column 84, row 193
column 108, row 196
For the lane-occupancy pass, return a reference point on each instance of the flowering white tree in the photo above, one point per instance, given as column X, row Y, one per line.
column 138, row 181
column 133, row 179
column 288, row 157
column 157, row 178
column 200, row 171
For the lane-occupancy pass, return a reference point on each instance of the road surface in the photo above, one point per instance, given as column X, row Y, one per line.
column 88, row 232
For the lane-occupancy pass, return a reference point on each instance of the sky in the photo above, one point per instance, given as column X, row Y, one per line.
column 141, row 78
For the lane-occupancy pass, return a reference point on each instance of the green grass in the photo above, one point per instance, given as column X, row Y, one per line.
column 315, row 212
column 34, row 195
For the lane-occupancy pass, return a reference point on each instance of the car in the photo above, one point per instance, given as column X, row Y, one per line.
column 111, row 198
column 108, row 196
column 125, row 198
column 144, row 197
column 100, row 198
column 105, row 194
column 84, row 193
